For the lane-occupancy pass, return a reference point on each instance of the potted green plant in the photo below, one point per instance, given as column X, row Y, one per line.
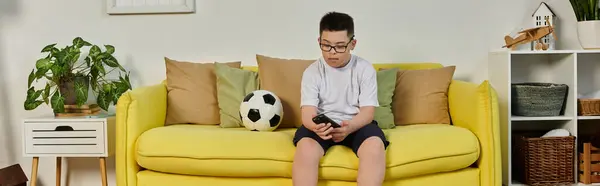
column 68, row 78
column 588, row 22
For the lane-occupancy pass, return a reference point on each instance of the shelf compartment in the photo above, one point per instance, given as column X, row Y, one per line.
column 554, row 68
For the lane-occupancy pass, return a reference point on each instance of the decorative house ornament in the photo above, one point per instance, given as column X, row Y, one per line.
column 540, row 36
column 539, row 17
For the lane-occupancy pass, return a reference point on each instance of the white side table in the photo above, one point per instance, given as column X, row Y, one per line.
column 86, row 136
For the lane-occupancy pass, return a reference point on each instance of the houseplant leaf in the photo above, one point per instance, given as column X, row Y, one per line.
column 79, row 42
column 30, row 105
column 75, row 57
column 100, row 68
column 31, row 102
column 48, row 48
column 88, row 61
column 121, row 87
column 58, row 102
column 32, row 94
column 94, row 78
column 81, row 90
column 109, row 49
column 125, row 80
column 46, row 93
column 102, row 100
column 41, row 72
column 31, row 78
column 94, row 51
column 43, row 63
column 112, row 62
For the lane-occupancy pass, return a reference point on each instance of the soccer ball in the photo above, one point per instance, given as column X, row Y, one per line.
column 261, row 110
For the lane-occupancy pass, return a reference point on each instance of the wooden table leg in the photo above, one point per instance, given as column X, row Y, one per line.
column 103, row 170
column 58, row 170
column 34, row 170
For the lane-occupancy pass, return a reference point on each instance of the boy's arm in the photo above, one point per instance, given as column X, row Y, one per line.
column 367, row 100
column 309, row 101
column 308, row 112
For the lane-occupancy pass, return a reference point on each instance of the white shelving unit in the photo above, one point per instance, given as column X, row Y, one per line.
column 579, row 69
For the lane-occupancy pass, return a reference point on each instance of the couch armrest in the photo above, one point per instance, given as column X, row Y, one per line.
column 138, row 110
column 475, row 107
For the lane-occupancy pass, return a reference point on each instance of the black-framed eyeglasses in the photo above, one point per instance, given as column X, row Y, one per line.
column 337, row 49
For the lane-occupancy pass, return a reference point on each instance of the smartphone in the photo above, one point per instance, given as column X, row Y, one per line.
column 322, row 118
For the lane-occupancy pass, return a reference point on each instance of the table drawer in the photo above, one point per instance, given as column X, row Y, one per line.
column 64, row 138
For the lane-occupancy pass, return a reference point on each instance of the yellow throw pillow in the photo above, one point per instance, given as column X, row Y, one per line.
column 421, row 96
column 283, row 77
column 192, row 92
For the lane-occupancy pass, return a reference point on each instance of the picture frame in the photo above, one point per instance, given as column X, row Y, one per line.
column 118, row 7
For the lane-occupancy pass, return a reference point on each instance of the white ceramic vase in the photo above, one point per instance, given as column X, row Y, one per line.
column 589, row 34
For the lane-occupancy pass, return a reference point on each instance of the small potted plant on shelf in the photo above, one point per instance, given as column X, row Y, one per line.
column 68, row 79
column 588, row 22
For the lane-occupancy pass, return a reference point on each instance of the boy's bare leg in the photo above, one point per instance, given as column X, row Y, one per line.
column 305, row 169
column 371, row 169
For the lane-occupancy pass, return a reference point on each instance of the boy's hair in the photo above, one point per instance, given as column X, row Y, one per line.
column 335, row 21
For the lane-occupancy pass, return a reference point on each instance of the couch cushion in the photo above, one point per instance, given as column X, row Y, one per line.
column 192, row 92
column 421, row 96
column 283, row 77
column 386, row 84
column 233, row 84
column 236, row 152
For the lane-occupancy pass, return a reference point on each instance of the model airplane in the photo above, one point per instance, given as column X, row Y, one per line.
column 529, row 35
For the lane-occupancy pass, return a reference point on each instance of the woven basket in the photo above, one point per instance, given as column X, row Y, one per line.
column 538, row 99
column 588, row 107
column 544, row 161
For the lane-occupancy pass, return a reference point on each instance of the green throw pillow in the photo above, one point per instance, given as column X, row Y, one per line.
column 386, row 85
column 232, row 86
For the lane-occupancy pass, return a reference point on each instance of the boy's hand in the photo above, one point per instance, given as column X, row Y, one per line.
column 323, row 130
column 339, row 134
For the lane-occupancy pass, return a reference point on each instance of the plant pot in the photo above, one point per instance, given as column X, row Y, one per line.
column 589, row 34
column 67, row 88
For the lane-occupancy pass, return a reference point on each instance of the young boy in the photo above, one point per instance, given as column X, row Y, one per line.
column 342, row 86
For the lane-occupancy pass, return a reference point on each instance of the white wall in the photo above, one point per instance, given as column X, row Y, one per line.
column 387, row 31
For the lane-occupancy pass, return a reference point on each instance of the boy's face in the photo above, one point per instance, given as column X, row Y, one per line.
column 336, row 46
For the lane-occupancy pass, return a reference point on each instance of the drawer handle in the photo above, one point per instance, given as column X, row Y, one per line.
column 63, row 128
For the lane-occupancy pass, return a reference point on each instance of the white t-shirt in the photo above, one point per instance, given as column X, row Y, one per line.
column 340, row 92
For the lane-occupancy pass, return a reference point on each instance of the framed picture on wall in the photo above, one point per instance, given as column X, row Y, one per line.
column 115, row 7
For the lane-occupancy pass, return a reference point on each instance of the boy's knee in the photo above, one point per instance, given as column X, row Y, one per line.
column 372, row 146
column 308, row 148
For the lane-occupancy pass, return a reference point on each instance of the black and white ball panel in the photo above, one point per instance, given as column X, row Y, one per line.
column 275, row 120
column 247, row 98
column 254, row 114
column 269, row 99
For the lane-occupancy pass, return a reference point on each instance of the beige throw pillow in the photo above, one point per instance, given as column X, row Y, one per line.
column 283, row 78
column 421, row 96
column 192, row 92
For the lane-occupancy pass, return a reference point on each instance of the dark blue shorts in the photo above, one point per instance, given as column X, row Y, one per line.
column 353, row 140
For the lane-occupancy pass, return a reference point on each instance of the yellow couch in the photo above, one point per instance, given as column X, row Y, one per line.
column 148, row 153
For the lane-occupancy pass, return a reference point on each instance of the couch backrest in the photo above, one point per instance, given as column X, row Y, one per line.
column 378, row 66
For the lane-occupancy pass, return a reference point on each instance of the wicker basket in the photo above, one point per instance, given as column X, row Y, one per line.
column 588, row 107
column 589, row 167
column 538, row 99
column 544, row 161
